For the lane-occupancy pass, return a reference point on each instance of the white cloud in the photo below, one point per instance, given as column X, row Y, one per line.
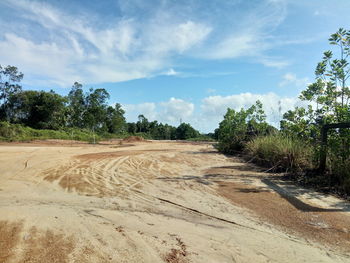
column 176, row 109
column 132, row 111
column 51, row 44
column 39, row 59
column 292, row 79
column 234, row 46
column 177, row 38
column 273, row 62
column 171, row 72
column 171, row 111
column 250, row 35
column 75, row 49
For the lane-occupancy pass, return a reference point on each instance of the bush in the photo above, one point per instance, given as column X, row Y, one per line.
column 280, row 152
column 238, row 127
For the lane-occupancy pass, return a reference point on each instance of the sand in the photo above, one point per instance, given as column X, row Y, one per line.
column 158, row 202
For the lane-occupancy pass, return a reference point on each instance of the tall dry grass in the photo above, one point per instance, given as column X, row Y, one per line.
column 280, row 152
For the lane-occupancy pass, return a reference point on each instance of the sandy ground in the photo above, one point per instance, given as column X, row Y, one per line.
column 158, row 202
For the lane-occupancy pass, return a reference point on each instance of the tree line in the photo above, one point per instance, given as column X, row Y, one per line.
column 82, row 110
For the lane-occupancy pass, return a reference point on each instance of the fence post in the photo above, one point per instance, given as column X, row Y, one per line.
column 323, row 152
column 324, row 131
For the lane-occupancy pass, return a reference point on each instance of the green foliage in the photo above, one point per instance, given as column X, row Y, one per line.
column 18, row 132
column 9, row 79
column 298, row 122
column 38, row 109
column 143, row 124
column 76, row 106
column 186, row 131
column 115, row 120
column 95, row 109
column 160, row 131
column 131, row 127
column 238, row 127
column 330, row 92
column 78, row 111
column 281, row 152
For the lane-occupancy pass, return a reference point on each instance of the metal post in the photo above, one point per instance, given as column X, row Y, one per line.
column 323, row 152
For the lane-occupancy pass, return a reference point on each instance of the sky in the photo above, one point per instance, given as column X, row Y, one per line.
column 172, row 61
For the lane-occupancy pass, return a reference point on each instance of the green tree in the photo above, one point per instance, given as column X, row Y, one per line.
column 330, row 92
column 132, row 127
column 186, row 131
column 9, row 79
column 240, row 126
column 299, row 122
column 76, row 106
column 155, row 130
column 38, row 109
column 142, row 124
column 95, row 111
column 115, row 120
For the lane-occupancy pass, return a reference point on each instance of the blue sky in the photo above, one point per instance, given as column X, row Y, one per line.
column 172, row 60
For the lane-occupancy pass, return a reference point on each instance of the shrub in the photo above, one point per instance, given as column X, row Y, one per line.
column 238, row 127
column 339, row 169
column 17, row 132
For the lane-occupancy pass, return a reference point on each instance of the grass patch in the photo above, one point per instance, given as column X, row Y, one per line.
column 202, row 138
column 282, row 153
column 17, row 132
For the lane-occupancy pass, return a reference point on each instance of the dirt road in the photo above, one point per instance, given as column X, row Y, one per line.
column 158, row 202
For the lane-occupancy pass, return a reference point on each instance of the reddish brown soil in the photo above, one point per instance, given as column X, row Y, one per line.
column 47, row 247
column 38, row 247
column 104, row 155
column 9, row 237
column 177, row 255
column 133, row 139
column 326, row 226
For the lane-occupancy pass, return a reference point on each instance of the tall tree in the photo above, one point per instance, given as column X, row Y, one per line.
column 9, row 79
column 115, row 120
column 142, row 124
column 96, row 105
column 76, row 106
column 132, row 127
column 330, row 92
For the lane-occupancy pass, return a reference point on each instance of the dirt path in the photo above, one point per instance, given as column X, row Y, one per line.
column 158, row 202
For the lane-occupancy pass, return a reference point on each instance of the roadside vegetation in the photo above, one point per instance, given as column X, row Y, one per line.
column 296, row 146
column 18, row 132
